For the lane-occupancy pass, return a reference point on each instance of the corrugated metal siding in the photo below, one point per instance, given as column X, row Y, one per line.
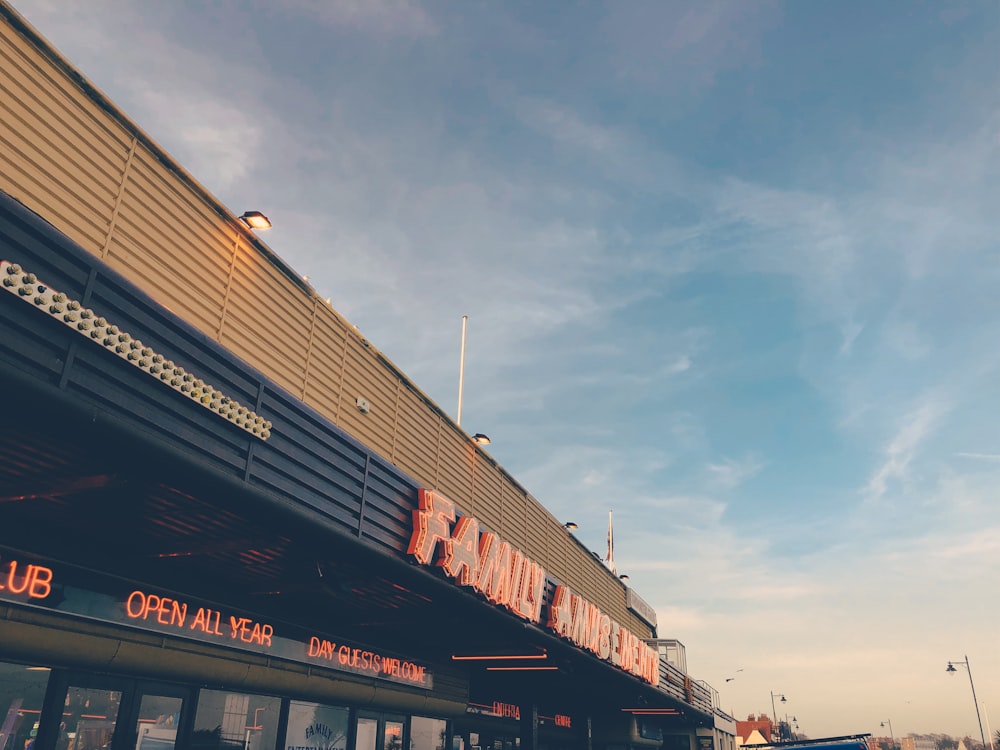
column 159, row 220
column 416, row 443
column 455, row 477
column 378, row 388
column 324, row 378
column 60, row 152
column 74, row 159
column 267, row 321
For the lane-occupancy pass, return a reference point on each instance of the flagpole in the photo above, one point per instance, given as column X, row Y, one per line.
column 461, row 373
column 611, row 544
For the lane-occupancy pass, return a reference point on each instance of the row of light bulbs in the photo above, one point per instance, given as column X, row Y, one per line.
column 87, row 323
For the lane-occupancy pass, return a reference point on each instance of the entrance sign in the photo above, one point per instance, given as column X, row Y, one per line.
column 504, row 576
column 88, row 595
column 575, row 618
column 497, row 571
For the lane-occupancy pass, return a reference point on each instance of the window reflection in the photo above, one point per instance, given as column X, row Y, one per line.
column 428, row 734
column 89, row 718
column 393, row 736
column 22, row 689
column 313, row 726
column 235, row 721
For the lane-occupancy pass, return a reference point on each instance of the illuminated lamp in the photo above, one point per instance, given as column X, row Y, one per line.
column 496, row 657
column 256, row 220
column 570, row 526
column 522, row 669
column 481, row 439
column 624, row 576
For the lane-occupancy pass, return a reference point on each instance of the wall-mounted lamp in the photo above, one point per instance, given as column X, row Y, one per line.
column 624, row 576
column 480, row 439
column 570, row 526
column 256, row 220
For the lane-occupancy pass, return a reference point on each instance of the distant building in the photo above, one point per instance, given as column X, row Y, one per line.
column 761, row 724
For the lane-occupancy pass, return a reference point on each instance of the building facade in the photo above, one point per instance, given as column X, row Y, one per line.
column 228, row 524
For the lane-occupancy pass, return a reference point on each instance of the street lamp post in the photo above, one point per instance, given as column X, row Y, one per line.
column 965, row 663
column 892, row 737
column 774, row 714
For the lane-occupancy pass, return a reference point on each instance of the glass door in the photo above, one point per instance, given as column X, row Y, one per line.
column 156, row 718
column 89, row 717
column 378, row 732
column 90, row 712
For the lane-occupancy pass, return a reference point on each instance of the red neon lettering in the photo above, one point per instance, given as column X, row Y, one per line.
column 321, row 649
column 207, row 621
column 248, row 631
column 131, row 609
column 594, row 630
column 165, row 611
column 574, row 618
column 460, row 556
column 514, row 578
column 494, row 568
column 432, row 521
column 580, row 609
column 35, row 580
column 616, row 632
column 506, row 710
column 604, row 643
column 530, row 591
column 560, row 611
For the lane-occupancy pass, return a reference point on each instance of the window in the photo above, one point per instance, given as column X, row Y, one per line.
column 428, row 734
column 235, row 721
column 313, row 726
column 22, row 689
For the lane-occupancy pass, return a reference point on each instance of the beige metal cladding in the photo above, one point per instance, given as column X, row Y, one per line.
column 70, row 155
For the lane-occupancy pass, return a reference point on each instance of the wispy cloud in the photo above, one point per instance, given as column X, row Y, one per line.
column 900, row 451
column 387, row 18
column 731, row 473
column 990, row 457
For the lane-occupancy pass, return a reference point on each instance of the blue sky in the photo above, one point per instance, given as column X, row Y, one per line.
column 732, row 270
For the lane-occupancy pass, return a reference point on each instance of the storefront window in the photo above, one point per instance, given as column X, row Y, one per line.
column 427, row 734
column 156, row 726
column 235, row 721
column 22, row 689
column 313, row 726
column 367, row 734
column 393, row 736
column 90, row 716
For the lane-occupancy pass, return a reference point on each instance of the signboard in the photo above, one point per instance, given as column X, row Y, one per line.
column 71, row 591
column 639, row 605
column 505, row 576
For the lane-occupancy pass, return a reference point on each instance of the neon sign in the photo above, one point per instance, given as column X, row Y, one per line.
column 30, row 583
column 28, row 580
column 581, row 622
column 504, row 576
column 172, row 612
column 497, row 571
column 367, row 661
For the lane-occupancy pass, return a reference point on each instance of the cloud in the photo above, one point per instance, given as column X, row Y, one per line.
column 990, row 457
column 387, row 18
column 900, row 451
column 731, row 473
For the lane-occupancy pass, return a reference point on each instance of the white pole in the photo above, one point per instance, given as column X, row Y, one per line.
column 461, row 372
column 989, row 732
